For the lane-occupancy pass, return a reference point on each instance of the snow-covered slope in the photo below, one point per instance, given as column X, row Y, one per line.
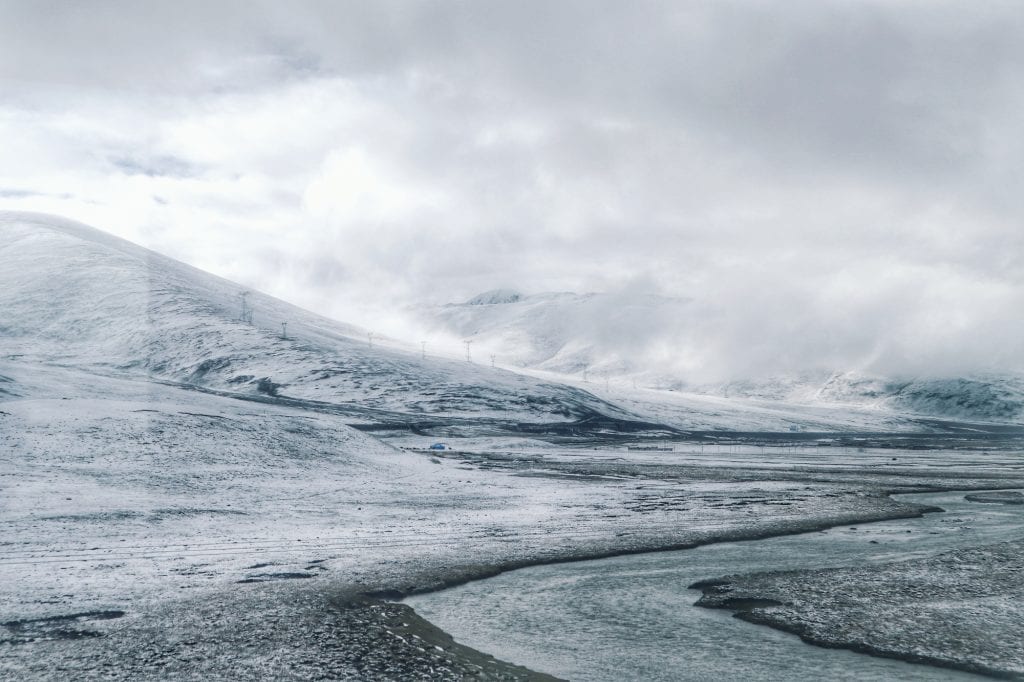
column 623, row 339
column 985, row 397
column 78, row 297
column 562, row 332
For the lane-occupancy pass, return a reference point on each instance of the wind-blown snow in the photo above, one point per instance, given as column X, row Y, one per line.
column 638, row 339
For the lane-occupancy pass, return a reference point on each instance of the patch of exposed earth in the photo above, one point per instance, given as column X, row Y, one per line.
column 997, row 497
column 962, row 609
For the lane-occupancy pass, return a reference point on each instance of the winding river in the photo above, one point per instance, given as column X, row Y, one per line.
column 632, row 617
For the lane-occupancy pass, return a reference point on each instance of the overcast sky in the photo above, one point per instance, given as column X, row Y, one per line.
column 837, row 184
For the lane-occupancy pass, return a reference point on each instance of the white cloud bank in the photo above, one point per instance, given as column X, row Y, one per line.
column 837, row 184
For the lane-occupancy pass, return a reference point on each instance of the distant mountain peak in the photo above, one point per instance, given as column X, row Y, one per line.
column 495, row 297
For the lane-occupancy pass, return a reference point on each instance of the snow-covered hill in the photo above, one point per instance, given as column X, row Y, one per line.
column 78, row 297
column 72, row 296
column 627, row 340
column 985, row 397
column 563, row 332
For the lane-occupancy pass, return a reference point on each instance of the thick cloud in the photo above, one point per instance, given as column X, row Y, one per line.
column 836, row 184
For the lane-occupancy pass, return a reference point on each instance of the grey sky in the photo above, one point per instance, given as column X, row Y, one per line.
column 837, row 184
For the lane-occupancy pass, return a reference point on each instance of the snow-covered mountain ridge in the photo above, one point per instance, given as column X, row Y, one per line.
column 986, row 396
column 77, row 297
column 622, row 340
column 562, row 332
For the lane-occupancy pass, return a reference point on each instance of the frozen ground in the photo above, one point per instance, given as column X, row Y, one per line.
column 223, row 530
column 238, row 538
column 962, row 609
column 183, row 494
column 631, row 617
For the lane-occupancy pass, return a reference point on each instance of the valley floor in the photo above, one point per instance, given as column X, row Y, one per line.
column 150, row 532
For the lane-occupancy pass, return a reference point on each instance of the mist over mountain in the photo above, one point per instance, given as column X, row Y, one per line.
column 80, row 297
column 567, row 332
column 634, row 338
column 77, row 297
column 828, row 210
column 354, row 301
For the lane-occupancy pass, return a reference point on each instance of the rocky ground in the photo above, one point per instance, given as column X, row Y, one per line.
column 962, row 609
column 170, row 535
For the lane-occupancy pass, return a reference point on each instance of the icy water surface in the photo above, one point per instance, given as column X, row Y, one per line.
column 633, row 617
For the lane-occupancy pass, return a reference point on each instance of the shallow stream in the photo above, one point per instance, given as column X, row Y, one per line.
column 632, row 617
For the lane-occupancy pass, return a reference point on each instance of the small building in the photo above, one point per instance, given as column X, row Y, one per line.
column 438, row 446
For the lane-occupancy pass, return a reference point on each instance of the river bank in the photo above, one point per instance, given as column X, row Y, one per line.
column 244, row 550
column 960, row 609
column 609, row 604
column 337, row 629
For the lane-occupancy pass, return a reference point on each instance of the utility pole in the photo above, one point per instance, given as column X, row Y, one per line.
column 284, row 330
column 246, row 314
column 369, row 339
column 469, row 355
column 423, row 350
column 492, row 361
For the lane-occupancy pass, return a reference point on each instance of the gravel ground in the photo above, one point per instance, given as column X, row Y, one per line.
column 160, row 534
column 340, row 624
column 962, row 609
